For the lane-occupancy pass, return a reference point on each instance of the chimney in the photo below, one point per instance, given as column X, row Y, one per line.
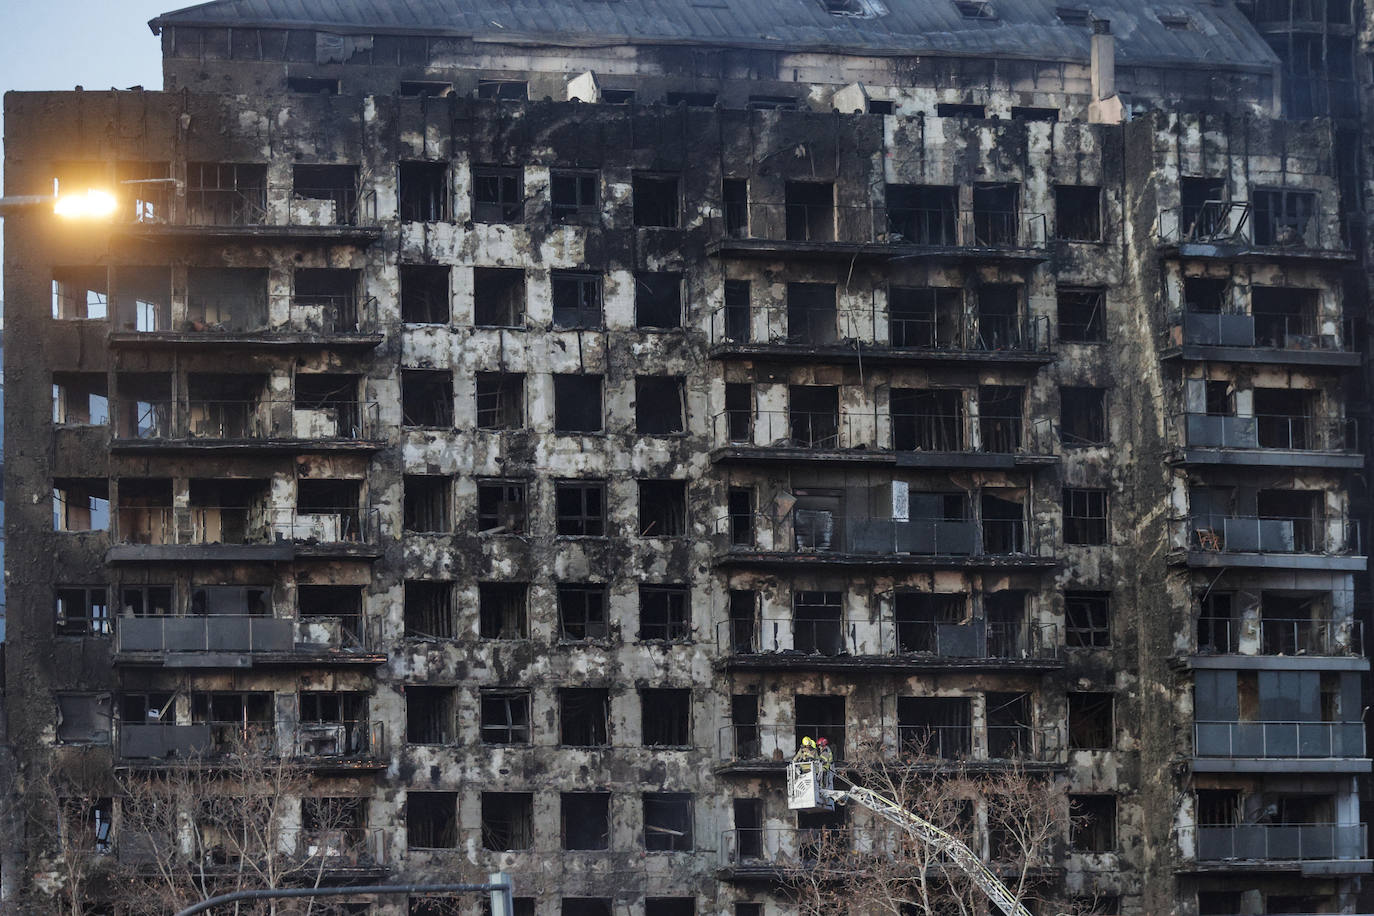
column 1103, row 60
column 1105, row 107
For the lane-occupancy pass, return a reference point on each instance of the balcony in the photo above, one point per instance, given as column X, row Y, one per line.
column 320, row 746
column 909, row 645
column 1270, row 441
column 302, row 853
column 908, row 440
column 239, row 425
column 1276, row 339
column 766, row 749
column 1241, row 231
column 1279, row 747
column 823, row 231
column 249, row 213
column 340, row 746
column 1312, row 849
column 1277, row 642
column 1327, row 543
column 870, row 336
column 337, row 322
column 241, row 533
column 234, row 641
column 821, row 538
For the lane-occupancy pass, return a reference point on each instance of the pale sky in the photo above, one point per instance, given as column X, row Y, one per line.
column 97, row 44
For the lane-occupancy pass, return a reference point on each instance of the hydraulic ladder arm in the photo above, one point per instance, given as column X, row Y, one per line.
column 810, row 785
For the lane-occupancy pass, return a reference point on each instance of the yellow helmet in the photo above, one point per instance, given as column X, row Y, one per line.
column 807, row 742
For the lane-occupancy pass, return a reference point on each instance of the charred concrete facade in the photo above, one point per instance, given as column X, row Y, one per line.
column 537, row 435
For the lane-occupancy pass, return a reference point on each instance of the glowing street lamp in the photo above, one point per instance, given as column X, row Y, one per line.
column 95, row 204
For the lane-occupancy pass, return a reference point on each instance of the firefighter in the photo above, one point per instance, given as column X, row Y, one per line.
column 825, row 754
column 807, row 752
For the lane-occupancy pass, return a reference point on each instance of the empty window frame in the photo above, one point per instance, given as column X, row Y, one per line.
column 580, row 507
column 1085, row 516
column 427, row 398
column 923, row 214
column 1083, row 416
column 586, row 821
column 818, row 622
column 1091, row 721
column 431, row 715
column 584, row 716
column 500, row 400
column 667, row 821
column 232, row 299
column 507, row 820
column 501, row 506
column 656, row 201
column 582, row 612
column 81, row 504
column 83, row 718
column 658, row 299
column 926, row 317
column 996, row 215
column 431, row 820
column 141, row 298
column 79, row 399
column 1082, row 316
column 86, row 828
column 505, row 716
column 662, row 508
column 664, row 612
column 498, row 297
column 1078, row 213
column 810, row 211
column 424, row 192
column 226, row 194
column 960, row 110
column 502, row 610
column 146, row 600
column 576, row 299
column 428, row 503
column 332, row 191
column 503, row 90
column 735, row 195
column 660, row 405
column 498, row 194
column 83, row 611
column 573, row 195
column 1093, row 825
column 231, row 600
column 1087, row 619
column 428, row 609
column 424, row 294
column 666, row 717
column 1285, row 218
column 577, row 407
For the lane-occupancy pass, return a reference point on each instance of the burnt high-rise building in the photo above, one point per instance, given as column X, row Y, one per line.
column 533, row 419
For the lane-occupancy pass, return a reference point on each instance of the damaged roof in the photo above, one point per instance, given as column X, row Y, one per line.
column 1206, row 33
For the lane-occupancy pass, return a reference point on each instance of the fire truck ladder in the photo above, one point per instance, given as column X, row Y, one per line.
column 811, row 786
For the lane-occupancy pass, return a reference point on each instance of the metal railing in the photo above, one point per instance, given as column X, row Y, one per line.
column 1283, row 636
column 217, row 633
column 262, row 418
column 316, row 742
column 973, row 639
column 975, row 228
column 165, row 525
column 1236, row 222
column 330, row 315
column 969, row 743
column 1273, row 431
column 1269, row 534
column 770, row 742
column 167, row 741
column 1276, row 841
column 280, row 205
column 325, row 849
column 802, row 847
column 858, row 328
column 894, row 432
column 1279, row 740
column 804, row 531
column 1270, row 331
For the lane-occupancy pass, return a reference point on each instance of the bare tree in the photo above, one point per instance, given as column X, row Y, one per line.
column 67, row 819
column 857, row 862
column 188, row 830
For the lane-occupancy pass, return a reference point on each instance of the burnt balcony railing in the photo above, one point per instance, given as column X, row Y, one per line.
column 1237, row 224
column 1279, row 740
column 217, row 633
column 819, row 532
column 870, row 327
column 335, row 848
column 1275, row 842
column 278, row 205
column 164, row 525
column 828, row 430
column 167, row 741
column 776, row 743
column 333, row 315
column 975, row 639
column 1274, row 331
column 1273, row 431
column 783, row 849
column 1330, row 536
column 915, row 227
column 1281, row 636
column 967, row 743
column 260, row 419
column 322, row 742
